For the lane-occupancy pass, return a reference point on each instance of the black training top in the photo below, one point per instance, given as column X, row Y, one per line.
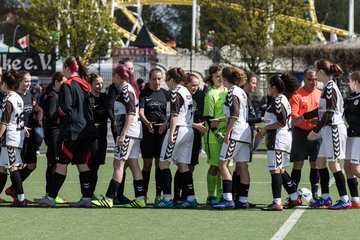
column 154, row 104
column 99, row 106
column 76, row 117
column 28, row 108
column 113, row 93
column 252, row 119
column 352, row 114
column 49, row 105
column 198, row 101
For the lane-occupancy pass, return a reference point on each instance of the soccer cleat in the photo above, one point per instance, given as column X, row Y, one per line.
column 355, row 204
column 2, row 200
column 123, row 200
column 164, row 204
column 321, row 202
column 187, row 204
column 244, row 205
column 158, row 198
column 82, row 203
column 136, row 204
column 210, row 201
column 224, row 204
column 45, row 201
column 11, row 193
column 103, row 202
column 17, row 203
column 60, row 200
column 292, row 203
column 340, row 205
column 273, row 207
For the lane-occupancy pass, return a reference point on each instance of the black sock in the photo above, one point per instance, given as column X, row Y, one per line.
column 287, row 182
column 57, row 182
column 49, row 175
column 296, row 176
column 235, row 184
column 276, row 182
column 243, row 190
column 146, row 177
column 3, row 179
column 340, row 183
column 24, row 174
column 16, row 182
column 112, row 189
column 94, row 174
column 324, row 180
column 138, row 188
column 177, row 185
column 353, row 186
column 227, row 186
column 187, row 184
column 314, row 180
column 120, row 190
column 158, row 182
column 86, row 184
column 166, row 180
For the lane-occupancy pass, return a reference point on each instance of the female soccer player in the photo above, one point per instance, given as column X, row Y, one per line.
column 98, row 101
column 51, row 127
column 278, row 140
column 178, row 142
column 214, row 137
column 128, row 141
column 153, row 102
column 12, row 136
column 76, row 132
column 352, row 155
column 28, row 152
column 333, row 131
column 237, row 138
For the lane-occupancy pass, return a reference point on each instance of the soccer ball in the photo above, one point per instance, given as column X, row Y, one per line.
column 305, row 195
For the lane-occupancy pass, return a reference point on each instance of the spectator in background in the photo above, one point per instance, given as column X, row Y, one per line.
column 141, row 83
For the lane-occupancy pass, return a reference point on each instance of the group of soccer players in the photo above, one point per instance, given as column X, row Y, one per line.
column 168, row 127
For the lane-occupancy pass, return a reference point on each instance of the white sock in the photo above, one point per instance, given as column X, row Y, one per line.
column 50, row 198
column 86, row 198
column 344, row 198
column 228, row 196
column 325, row 196
column 294, row 196
column 355, row 199
column 277, row 201
column 243, row 199
column 190, row 197
column 167, row 197
column 140, row 198
column 21, row 197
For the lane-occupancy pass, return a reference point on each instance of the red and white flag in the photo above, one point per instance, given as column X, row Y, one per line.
column 24, row 41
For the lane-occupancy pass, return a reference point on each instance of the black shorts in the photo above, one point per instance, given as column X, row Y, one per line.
column 28, row 153
column 301, row 148
column 98, row 151
column 196, row 148
column 75, row 152
column 51, row 140
column 151, row 143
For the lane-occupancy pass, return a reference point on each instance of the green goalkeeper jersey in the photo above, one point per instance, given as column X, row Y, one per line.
column 213, row 107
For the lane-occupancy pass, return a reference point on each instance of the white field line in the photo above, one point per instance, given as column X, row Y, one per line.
column 293, row 219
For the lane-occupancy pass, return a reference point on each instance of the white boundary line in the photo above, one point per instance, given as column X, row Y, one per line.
column 292, row 220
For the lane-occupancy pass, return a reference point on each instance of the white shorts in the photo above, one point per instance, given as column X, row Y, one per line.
column 129, row 150
column 180, row 151
column 353, row 150
column 277, row 159
column 10, row 157
column 333, row 144
column 237, row 151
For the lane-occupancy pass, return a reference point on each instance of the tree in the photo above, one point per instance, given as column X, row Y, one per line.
column 254, row 27
column 82, row 27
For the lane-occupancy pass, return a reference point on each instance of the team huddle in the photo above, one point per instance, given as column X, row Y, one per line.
column 172, row 126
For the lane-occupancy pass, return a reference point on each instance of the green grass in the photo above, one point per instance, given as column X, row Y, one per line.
column 63, row 222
